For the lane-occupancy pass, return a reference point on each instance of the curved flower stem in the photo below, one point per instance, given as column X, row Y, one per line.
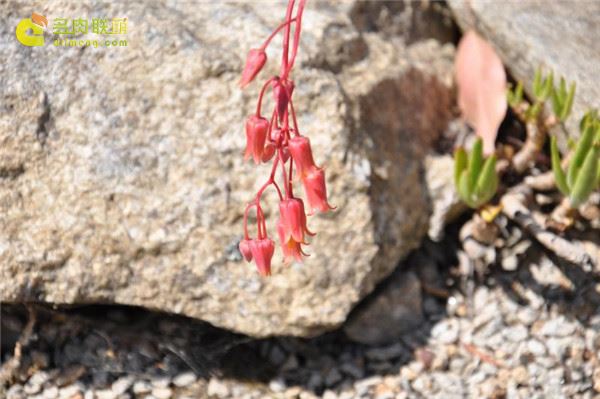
column 286, row 38
column 296, row 36
column 261, row 95
column 272, row 35
column 296, row 130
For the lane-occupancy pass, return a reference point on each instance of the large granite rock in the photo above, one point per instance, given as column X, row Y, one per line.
column 121, row 171
column 558, row 35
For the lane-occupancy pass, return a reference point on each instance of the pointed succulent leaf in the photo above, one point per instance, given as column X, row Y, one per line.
column 581, row 150
column 537, row 82
column 475, row 163
column 491, row 190
column 556, row 103
column 589, row 117
column 460, row 163
column 568, row 104
column 559, row 174
column 585, row 182
column 547, row 87
column 485, row 182
column 463, row 188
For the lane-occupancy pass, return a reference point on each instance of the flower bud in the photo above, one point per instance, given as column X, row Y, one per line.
column 245, row 250
column 282, row 93
column 268, row 152
column 293, row 219
column 254, row 62
column 301, row 153
column 256, row 135
column 315, row 190
column 262, row 252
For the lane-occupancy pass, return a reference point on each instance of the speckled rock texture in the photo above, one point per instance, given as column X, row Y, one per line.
column 121, row 170
column 558, row 35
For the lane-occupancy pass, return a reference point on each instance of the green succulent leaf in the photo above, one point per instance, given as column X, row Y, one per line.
column 487, row 182
column 463, row 188
column 585, row 182
column 537, row 82
column 475, row 163
column 568, row 104
column 559, row 174
column 581, row 150
column 515, row 96
column 460, row 163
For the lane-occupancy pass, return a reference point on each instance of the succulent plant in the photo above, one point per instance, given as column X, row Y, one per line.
column 583, row 172
column 475, row 177
column 562, row 100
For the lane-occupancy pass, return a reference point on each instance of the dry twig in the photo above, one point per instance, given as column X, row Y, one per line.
column 513, row 206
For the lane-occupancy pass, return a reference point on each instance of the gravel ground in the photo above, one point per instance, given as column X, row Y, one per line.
column 523, row 334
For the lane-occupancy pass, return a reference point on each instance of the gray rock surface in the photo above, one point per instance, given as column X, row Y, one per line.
column 122, row 179
column 557, row 35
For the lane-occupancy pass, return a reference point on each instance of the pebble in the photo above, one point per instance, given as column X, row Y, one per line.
column 446, row 331
column 217, row 388
column 277, row 385
column 558, row 327
column 50, row 392
column 536, row 347
column 141, row 387
column 121, row 385
column 161, row 382
column 162, row 392
column 516, row 333
column 184, row 379
column 333, row 377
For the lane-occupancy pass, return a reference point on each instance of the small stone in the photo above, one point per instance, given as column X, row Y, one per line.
column 50, row 393
column 15, row 392
column 39, row 378
column 217, row 388
column 352, row 370
column 446, row 331
column 558, row 327
column 184, row 379
column 333, row 377
column 70, row 391
column 516, row 333
column 121, row 385
column 291, row 363
column 536, row 347
column 527, row 316
column 32, row 388
column 520, row 375
column 315, row 381
column 329, row 394
column 141, row 387
column 105, row 394
column 276, row 355
column 510, row 263
column 277, row 385
column 162, row 393
column 161, row 382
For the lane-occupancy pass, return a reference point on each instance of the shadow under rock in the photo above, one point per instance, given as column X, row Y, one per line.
column 97, row 344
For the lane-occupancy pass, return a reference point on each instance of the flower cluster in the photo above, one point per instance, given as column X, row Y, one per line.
column 278, row 140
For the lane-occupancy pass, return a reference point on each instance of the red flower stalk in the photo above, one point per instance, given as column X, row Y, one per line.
column 278, row 139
